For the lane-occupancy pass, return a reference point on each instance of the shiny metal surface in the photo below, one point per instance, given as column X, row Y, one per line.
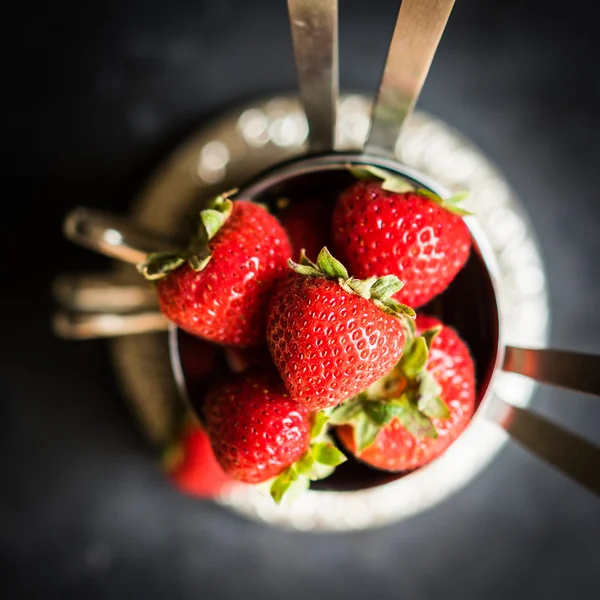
column 86, row 326
column 415, row 39
column 574, row 456
column 104, row 292
column 113, row 236
column 314, row 26
column 571, row 370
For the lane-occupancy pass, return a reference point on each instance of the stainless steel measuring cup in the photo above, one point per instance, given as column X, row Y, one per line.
column 419, row 27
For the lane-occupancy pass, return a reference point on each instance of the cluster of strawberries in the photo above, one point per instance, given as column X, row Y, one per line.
column 330, row 353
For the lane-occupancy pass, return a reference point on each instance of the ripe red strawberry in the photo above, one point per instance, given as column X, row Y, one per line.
column 331, row 335
column 382, row 228
column 255, row 429
column 307, row 223
column 192, row 466
column 218, row 289
column 414, row 413
column 257, row 432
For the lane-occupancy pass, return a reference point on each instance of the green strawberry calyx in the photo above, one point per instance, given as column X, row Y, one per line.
column 318, row 462
column 392, row 182
column 408, row 393
column 197, row 254
column 377, row 289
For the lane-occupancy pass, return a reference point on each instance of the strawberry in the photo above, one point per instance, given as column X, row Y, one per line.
column 331, row 335
column 192, row 466
column 219, row 287
column 307, row 225
column 415, row 412
column 258, row 433
column 381, row 228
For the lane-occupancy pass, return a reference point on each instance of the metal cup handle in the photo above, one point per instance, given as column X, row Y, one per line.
column 86, row 326
column 314, row 27
column 570, row 370
column 416, row 36
column 108, row 305
column 574, row 456
column 113, row 236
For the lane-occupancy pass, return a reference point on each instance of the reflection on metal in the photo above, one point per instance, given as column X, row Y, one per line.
column 572, row 370
column 415, row 39
column 113, row 236
column 85, row 326
column 109, row 292
column 565, row 451
column 314, row 26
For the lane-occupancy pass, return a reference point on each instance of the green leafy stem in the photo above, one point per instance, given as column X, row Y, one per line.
column 197, row 254
column 318, row 462
column 377, row 289
column 392, row 182
column 409, row 393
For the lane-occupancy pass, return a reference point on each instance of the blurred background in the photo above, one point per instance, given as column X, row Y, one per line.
column 94, row 95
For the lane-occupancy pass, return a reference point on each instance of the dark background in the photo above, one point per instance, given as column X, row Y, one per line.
column 93, row 96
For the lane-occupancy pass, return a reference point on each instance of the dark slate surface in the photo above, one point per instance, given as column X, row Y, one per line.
column 94, row 95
